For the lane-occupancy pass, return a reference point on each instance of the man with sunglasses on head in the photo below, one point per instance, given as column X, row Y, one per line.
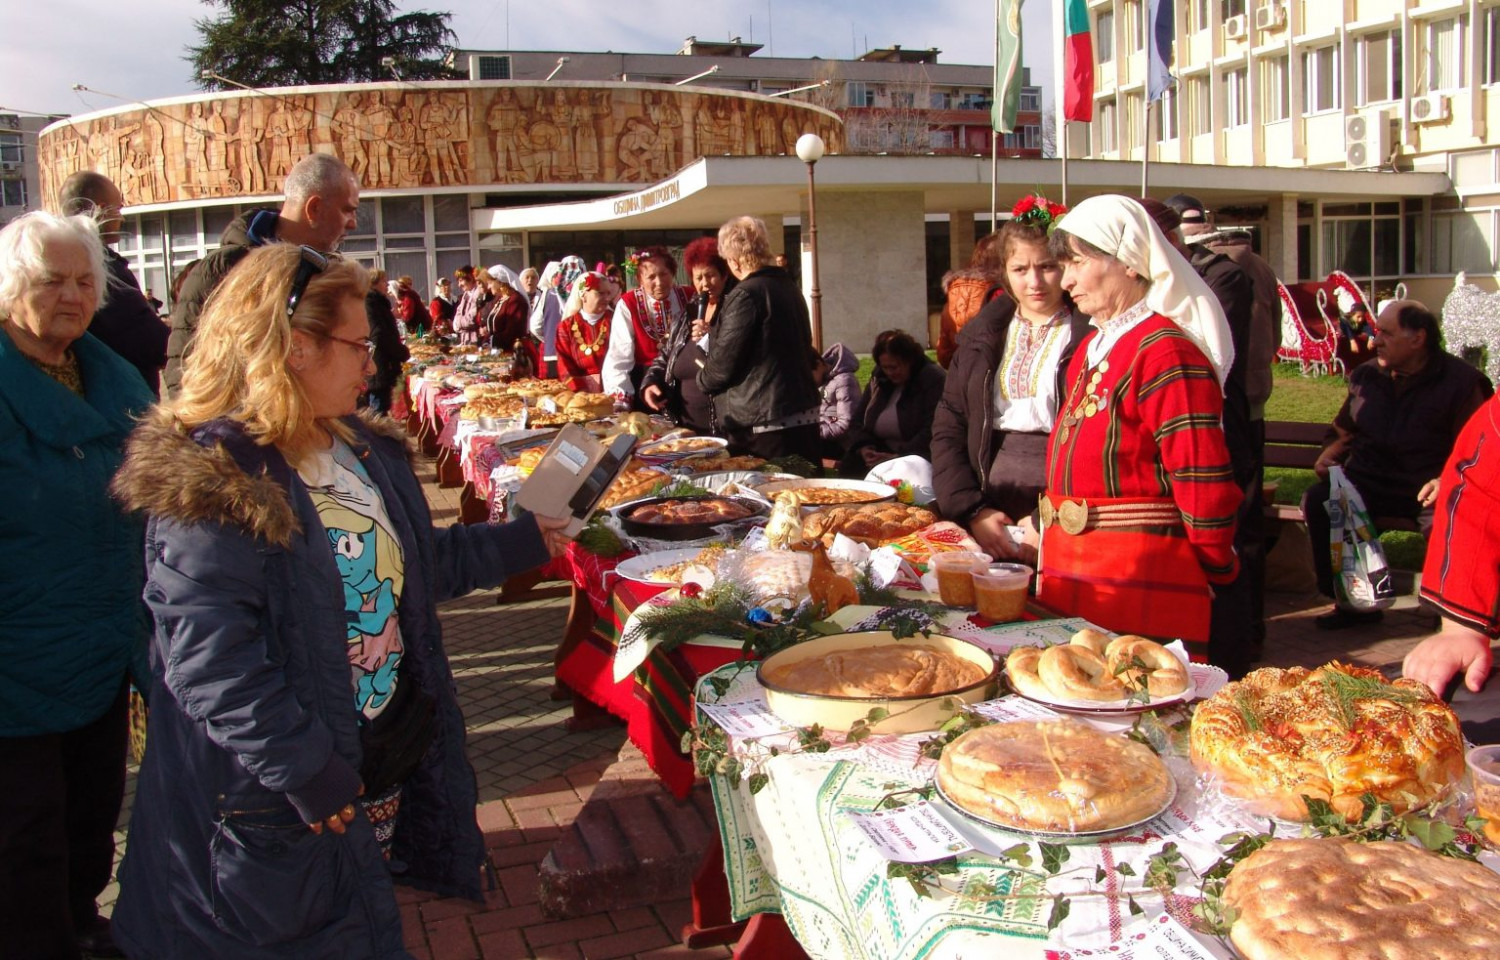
column 321, row 205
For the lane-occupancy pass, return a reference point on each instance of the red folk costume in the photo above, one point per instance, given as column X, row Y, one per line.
column 581, row 347
column 1138, row 518
column 1462, row 573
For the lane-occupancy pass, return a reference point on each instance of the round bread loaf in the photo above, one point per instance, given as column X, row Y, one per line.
column 1337, row 900
column 1333, row 734
column 886, row 670
column 1020, row 667
column 1057, row 776
column 1136, row 661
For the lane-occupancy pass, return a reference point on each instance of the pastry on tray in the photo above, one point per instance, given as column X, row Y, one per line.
column 1325, row 899
column 904, row 669
column 1054, row 776
column 1334, row 734
column 872, row 525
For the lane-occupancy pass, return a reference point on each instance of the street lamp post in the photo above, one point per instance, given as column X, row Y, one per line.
column 810, row 148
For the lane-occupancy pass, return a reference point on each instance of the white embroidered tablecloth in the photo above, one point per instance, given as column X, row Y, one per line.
column 791, row 849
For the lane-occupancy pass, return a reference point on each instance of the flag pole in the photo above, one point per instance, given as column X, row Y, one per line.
column 995, row 129
column 1150, row 32
column 1060, row 120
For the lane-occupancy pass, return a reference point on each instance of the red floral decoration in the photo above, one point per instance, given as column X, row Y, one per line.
column 1037, row 209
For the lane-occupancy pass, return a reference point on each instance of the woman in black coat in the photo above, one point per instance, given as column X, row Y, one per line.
column 670, row 385
column 989, row 434
column 894, row 418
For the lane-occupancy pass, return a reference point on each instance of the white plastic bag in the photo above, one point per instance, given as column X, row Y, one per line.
column 1361, row 579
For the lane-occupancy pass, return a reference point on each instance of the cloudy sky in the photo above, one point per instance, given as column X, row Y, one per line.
column 133, row 49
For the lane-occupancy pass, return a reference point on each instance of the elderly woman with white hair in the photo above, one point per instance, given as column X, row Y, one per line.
column 71, row 621
column 759, row 367
column 1138, row 516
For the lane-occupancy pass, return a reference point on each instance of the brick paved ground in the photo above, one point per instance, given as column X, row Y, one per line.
column 534, row 777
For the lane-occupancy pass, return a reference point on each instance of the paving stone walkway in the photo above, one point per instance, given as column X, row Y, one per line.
column 535, row 777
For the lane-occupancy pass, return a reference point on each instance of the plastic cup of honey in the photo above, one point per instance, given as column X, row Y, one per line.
column 955, row 575
column 1484, row 770
column 1000, row 591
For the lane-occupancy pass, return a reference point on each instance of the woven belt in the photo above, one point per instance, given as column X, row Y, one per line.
column 1080, row 516
column 786, row 423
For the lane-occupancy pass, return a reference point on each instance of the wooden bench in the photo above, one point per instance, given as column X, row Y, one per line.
column 1294, row 445
column 1297, row 445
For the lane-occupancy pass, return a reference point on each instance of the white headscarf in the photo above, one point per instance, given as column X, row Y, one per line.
column 1120, row 226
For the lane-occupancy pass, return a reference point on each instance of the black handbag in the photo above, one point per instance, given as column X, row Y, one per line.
column 396, row 740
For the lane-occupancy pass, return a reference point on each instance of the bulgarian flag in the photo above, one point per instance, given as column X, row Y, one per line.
column 1078, row 62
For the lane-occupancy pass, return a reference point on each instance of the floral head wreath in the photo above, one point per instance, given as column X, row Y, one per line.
column 1037, row 210
column 589, row 281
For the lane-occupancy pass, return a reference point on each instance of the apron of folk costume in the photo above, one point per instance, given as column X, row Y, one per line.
column 1114, row 549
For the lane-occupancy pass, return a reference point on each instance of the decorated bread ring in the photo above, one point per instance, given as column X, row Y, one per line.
column 1020, row 666
column 1133, row 659
column 1092, row 639
column 1076, row 672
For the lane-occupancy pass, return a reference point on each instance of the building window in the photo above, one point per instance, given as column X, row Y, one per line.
column 1130, row 131
column 1200, row 106
column 1379, row 68
column 904, row 99
column 1135, row 26
column 940, row 101
column 941, row 139
column 1104, row 36
column 12, row 193
column 1237, row 97
column 973, row 101
column 1106, row 132
column 10, row 148
column 1198, row 15
column 1031, row 99
column 1320, row 78
column 1445, row 53
column 1166, row 115
column 494, row 68
column 1032, row 136
column 1275, row 93
column 860, row 94
column 1231, row 8
column 1491, row 46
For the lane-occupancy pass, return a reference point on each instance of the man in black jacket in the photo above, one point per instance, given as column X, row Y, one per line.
column 125, row 321
column 321, row 205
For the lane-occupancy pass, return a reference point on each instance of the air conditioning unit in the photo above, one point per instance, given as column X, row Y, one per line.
column 1367, row 139
column 1432, row 108
column 1234, row 27
column 1272, row 16
column 9, row 166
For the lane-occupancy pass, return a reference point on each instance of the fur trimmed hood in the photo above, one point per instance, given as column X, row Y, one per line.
column 216, row 473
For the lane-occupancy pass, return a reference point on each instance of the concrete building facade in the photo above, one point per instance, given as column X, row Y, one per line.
column 1391, row 85
column 20, row 172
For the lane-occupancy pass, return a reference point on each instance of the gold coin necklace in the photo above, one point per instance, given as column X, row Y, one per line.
column 1091, row 403
column 586, row 347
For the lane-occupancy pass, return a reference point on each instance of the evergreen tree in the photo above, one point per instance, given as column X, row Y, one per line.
column 272, row 43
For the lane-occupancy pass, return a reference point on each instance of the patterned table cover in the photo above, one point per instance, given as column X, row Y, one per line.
column 790, row 850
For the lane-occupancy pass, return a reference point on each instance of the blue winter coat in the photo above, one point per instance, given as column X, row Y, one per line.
column 70, row 558
column 253, row 730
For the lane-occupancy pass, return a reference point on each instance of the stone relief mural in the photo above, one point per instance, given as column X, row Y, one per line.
column 410, row 136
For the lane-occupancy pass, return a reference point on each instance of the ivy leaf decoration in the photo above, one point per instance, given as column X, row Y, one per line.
column 1020, row 855
column 1100, row 874
column 1135, row 908
column 758, row 782
column 1054, row 855
column 1060, row 908
column 1124, row 869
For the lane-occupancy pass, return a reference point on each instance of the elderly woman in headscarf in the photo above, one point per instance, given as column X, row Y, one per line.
column 71, row 620
column 547, row 307
column 1138, row 516
column 583, row 335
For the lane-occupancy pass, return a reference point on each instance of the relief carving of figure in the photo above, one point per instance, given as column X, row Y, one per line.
column 636, row 149
column 410, row 163
column 153, row 147
column 194, row 151
column 703, row 130
column 217, row 134
column 251, row 135
column 565, row 166
column 504, row 121
column 378, row 119
column 348, row 120
column 545, row 138
column 437, row 135
column 279, row 131
column 303, row 115
column 767, row 134
column 666, row 117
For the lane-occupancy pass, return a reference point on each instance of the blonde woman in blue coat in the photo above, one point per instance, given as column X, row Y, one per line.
column 305, row 746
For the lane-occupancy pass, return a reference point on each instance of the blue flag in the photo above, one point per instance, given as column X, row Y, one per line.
column 1160, row 29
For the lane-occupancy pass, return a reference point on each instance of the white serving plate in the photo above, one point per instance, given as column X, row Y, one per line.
column 1126, row 706
column 1060, row 835
column 884, row 492
column 638, row 568
column 703, row 447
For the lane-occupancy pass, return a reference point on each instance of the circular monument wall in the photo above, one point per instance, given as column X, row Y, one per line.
column 421, row 137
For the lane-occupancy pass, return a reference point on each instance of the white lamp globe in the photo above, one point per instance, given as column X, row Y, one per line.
column 810, row 148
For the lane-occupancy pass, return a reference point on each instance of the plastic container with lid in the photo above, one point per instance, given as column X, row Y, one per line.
column 955, row 570
column 1000, row 591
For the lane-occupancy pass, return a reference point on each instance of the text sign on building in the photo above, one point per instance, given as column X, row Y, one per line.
column 647, row 199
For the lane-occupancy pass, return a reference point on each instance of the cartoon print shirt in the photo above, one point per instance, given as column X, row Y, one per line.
column 370, row 561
